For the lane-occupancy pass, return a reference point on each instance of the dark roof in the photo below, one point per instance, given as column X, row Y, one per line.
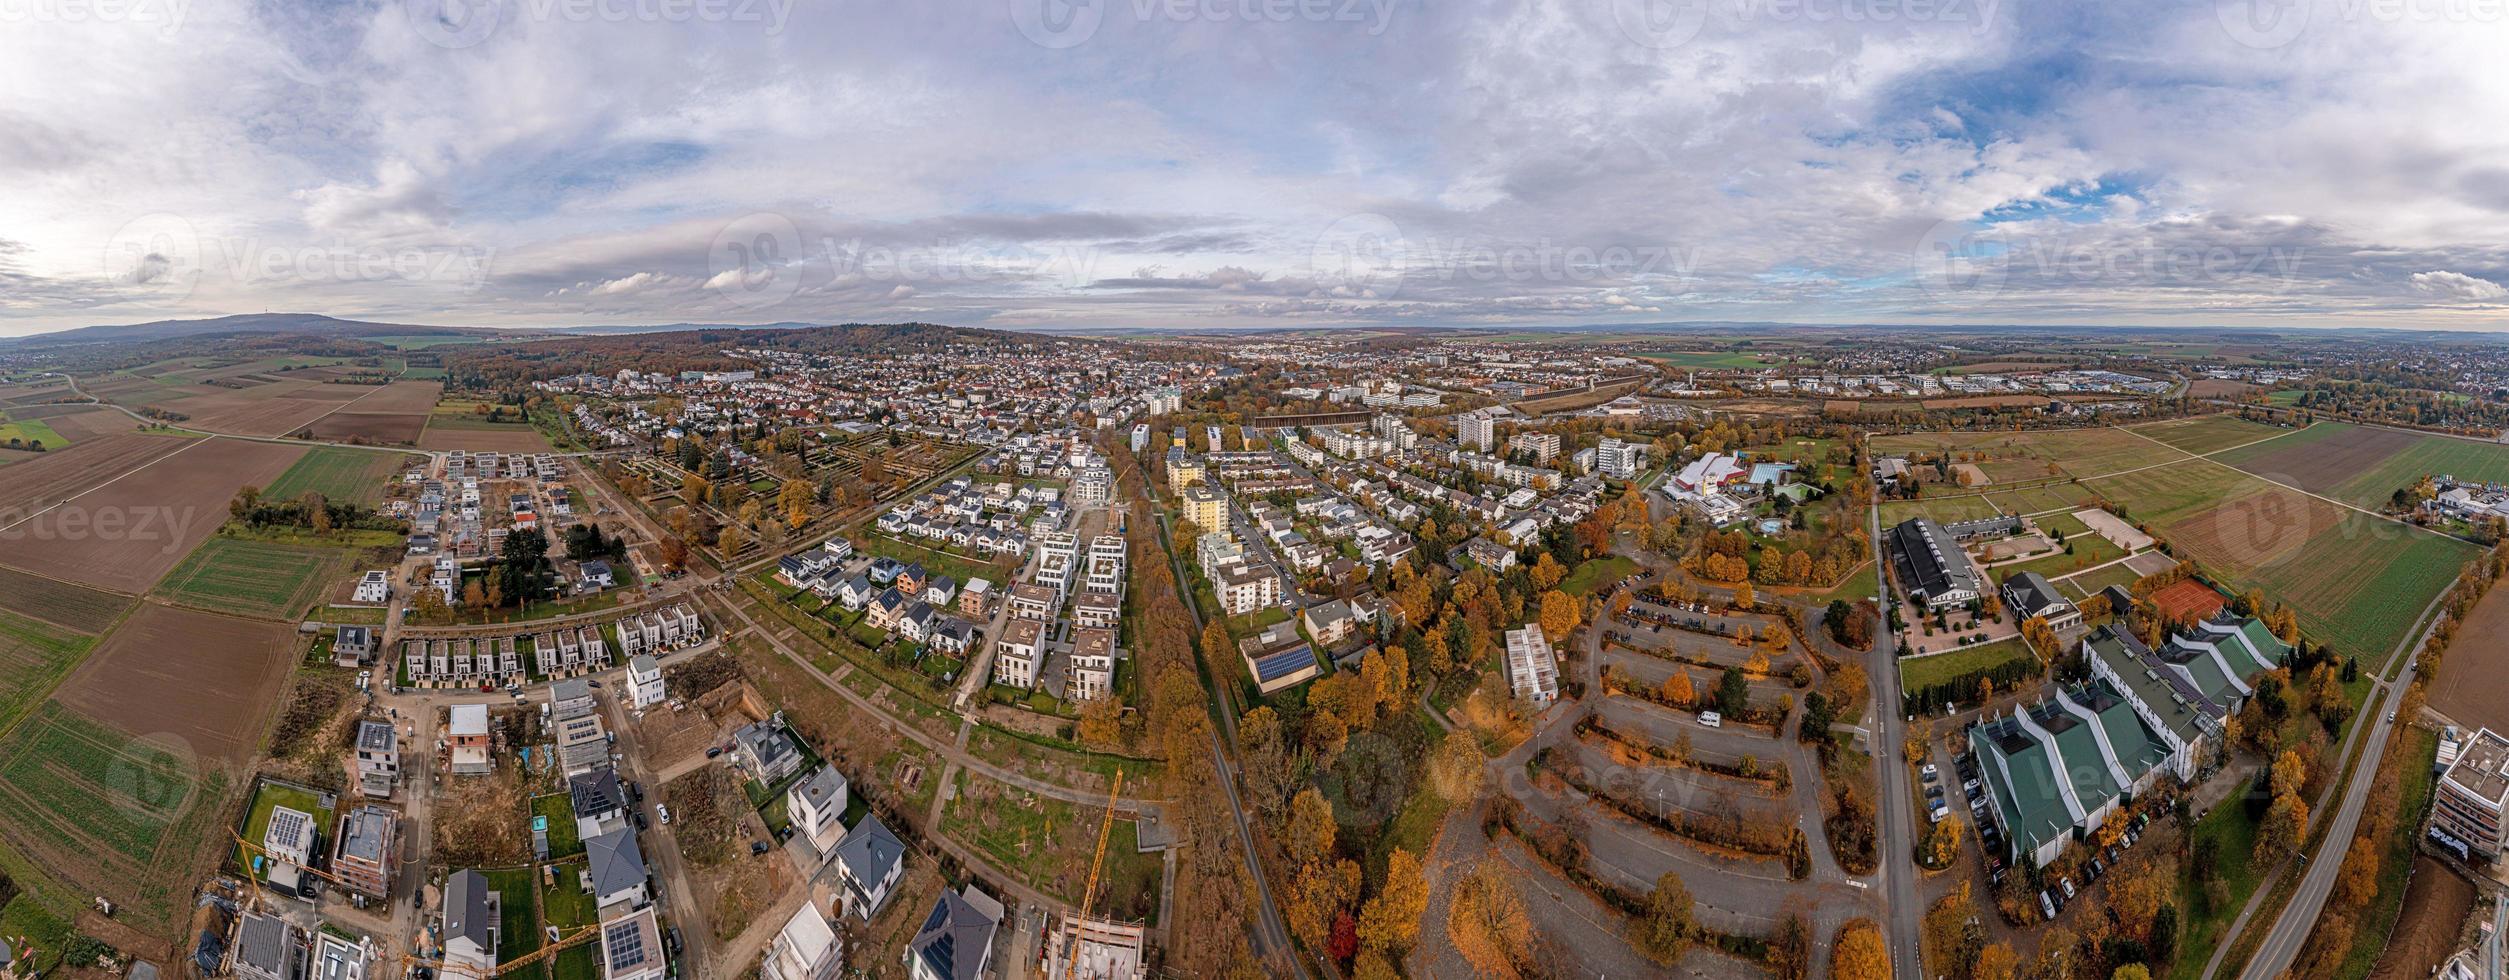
column 953, row 939
column 1927, row 560
column 870, row 850
column 466, row 910
column 615, row 862
column 595, row 792
column 267, row 943
column 2032, row 592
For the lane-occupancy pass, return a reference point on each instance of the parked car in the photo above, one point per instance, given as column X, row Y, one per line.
column 1940, row 812
column 664, row 809
column 1928, row 772
column 2067, row 885
column 713, row 751
column 2046, row 907
column 1711, row 719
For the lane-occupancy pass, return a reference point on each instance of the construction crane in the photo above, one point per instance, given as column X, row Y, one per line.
column 1089, row 892
column 458, row 969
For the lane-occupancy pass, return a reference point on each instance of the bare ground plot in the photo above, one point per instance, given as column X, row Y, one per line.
column 124, row 534
column 54, row 476
column 2435, row 907
column 261, row 411
column 71, row 607
column 215, row 696
column 2118, row 532
column 403, row 428
column 2477, row 693
column 403, row 397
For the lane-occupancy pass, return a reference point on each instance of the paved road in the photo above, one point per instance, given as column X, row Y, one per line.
column 2299, row 918
column 1903, row 911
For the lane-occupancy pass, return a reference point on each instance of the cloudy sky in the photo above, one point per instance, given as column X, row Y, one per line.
column 1244, row 162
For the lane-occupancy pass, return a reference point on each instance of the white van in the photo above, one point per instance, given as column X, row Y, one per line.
column 1711, row 719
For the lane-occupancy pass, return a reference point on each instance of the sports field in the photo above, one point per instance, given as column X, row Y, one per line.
column 249, row 578
column 2365, row 465
column 338, row 474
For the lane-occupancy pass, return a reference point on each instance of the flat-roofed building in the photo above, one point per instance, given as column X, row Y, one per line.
column 369, row 850
column 2471, row 807
column 1532, row 669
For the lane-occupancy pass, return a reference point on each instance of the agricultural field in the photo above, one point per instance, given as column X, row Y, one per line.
column 2477, row 694
column 337, row 474
column 2207, row 433
column 16, row 431
column 37, row 480
column 2365, row 465
column 246, row 577
column 34, row 656
column 125, row 533
column 214, row 699
column 2358, row 582
column 58, row 603
column 273, row 409
column 1713, row 359
column 108, row 814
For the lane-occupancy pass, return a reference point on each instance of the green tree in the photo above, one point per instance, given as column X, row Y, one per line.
column 1663, row 930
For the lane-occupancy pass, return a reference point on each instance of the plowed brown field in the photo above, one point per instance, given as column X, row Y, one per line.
column 124, row 533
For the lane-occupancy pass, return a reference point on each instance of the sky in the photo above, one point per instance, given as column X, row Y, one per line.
column 1203, row 163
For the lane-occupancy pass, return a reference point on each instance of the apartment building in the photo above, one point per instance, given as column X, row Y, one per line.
column 2467, row 813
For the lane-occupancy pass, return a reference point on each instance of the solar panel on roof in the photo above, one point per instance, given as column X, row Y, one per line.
column 626, row 944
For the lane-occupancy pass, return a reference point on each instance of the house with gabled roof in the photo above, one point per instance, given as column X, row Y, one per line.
column 956, row 940
column 869, row 861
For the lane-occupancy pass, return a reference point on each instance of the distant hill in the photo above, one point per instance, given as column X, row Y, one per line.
column 305, row 324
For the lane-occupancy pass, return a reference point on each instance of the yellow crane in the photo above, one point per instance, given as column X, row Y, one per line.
column 1089, row 892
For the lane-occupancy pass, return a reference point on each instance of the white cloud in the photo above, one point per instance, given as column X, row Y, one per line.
column 2458, row 285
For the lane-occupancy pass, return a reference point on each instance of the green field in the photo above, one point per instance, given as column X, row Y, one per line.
column 2371, row 464
column 2165, row 494
column 2053, row 498
column 2207, row 433
column 1944, row 510
column 129, row 812
column 2089, row 550
column 1917, row 673
column 1596, row 572
column 29, row 432
column 33, row 658
column 1711, row 359
column 2077, row 452
column 337, row 474
column 247, row 577
column 518, row 925
column 2358, row 582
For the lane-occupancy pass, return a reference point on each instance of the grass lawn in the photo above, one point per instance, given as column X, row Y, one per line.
column 1862, row 584
column 1943, row 509
column 564, row 903
column 518, row 921
column 2233, row 834
column 269, row 797
column 2206, row 433
column 1917, row 673
column 2083, row 584
column 559, row 808
column 2089, row 551
column 1595, row 572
